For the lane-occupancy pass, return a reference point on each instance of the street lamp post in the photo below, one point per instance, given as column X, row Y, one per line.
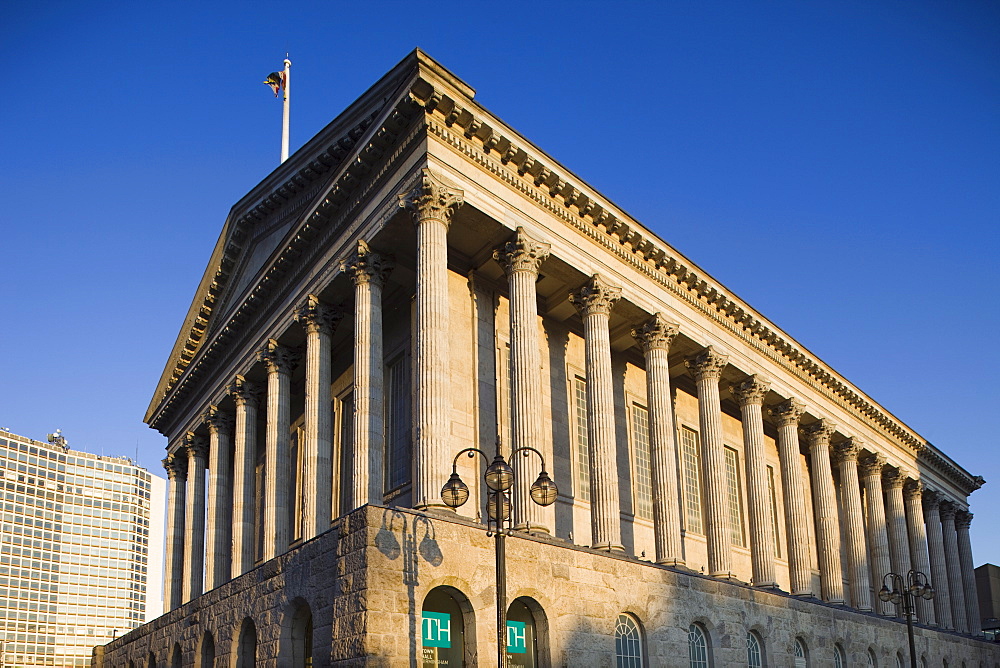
column 499, row 479
column 905, row 590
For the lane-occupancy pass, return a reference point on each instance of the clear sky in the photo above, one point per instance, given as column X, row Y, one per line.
column 833, row 163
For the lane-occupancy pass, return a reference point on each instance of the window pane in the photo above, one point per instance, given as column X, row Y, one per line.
column 697, row 647
column 643, row 468
column 398, row 424
column 628, row 643
column 734, row 498
column 582, row 440
column 774, row 511
column 753, row 651
column 691, row 461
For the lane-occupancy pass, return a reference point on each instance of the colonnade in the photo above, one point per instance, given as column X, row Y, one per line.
column 887, row 519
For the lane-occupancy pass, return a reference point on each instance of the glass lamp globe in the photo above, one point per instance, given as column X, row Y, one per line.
column 498, row 507
column 499, row 475
column 544, row 490
column 455, row 492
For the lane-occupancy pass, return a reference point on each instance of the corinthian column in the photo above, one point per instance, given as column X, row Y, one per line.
column 520, row 260
column 246, row 395
column 594, row 301
column 750, row 395
column 963, row 519
column 220, row 502
column 787, row 415
column 194, row 536
column 912, row 492
column 846, row 454
column 706, row 368
column 319, row 321
column 878, row 536
column 899, row 541
column 176, row 466
column 953, row 561
column 939, row 565
column 277, row 474
column 825, row 503
column 655, row 338
column 432, row 205
column 369, row 271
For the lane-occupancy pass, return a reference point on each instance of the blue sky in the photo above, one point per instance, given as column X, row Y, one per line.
column 834, row 163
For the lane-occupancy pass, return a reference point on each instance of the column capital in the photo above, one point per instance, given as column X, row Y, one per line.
column 366, row 266
column 244, row 392
column 948, row 509
column 931, row 499
column 847, row 450
column 894, row 478
column 218, row 421
column 751, row 391
column 176, row 466
column 872, row 464
column 277, row 357
column 595, row 296
column 787, row 412
column 963, row 519
column 315, row 316
column 195, row 446
column 432, row 199
column 655, row 333
column 707, row 365
column 819, row 432
column 914, row 489
column 522, row 253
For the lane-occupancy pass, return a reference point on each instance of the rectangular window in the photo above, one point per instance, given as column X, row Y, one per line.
column 582, row 440
column 505, row 413
column 398, row 460
column 735, row 500
column 691, row 465
column 642, row 463
column 773, row 497
column 346, row 450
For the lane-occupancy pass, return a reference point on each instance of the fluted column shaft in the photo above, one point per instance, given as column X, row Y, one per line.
column 899, row 540
column 878, row 536
column 655, row 338
column 277, row 471
column 912, row 497
column 953, row 562
column 825, row 504
column 962, row 522
column 858, row 568
column 176, row 466
column 787, row 417
column 194, row 534
column 521, row 259
column 939, row 565
column 750, row 395
column 220, row 503
column 368, row 270
column 594, row 301
column 319, row 321
column 707, row 369
column 432, row 204
column 246, row 396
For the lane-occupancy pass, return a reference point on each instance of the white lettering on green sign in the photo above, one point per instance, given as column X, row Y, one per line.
column 436, row 627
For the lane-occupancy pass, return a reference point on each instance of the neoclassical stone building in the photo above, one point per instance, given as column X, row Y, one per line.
column 418, row 279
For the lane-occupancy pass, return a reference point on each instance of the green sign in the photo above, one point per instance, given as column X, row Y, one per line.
column 436, row 629
column 517, row 637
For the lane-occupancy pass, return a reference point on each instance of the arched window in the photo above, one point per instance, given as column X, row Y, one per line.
column 838, row 657
column 301, row 636
column 246, row 646
column 522, row 636
column 151, row 662
column 755, row 656
column 801, row 656
column 872, row 661
column 697, row 647
column 442, row 630
column 628, row 643
column 176, row 659
column 899, row 660
column 206, row 657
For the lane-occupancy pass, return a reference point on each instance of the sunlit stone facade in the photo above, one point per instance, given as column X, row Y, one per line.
column 80, row 551
column 418, row 279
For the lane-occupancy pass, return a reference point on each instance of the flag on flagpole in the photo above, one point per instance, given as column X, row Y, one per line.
column 276, row 80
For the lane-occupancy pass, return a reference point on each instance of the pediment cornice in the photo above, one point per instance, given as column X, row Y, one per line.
column 470, row 129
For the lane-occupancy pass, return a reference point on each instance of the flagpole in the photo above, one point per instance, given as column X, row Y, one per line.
column 284, row 117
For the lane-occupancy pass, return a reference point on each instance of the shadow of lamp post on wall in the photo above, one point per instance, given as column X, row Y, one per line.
column 905, row 590
column 499, row 479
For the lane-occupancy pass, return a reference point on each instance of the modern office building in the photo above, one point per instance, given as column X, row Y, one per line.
column 988, row 588
column 419, row 279
column 80, row 550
